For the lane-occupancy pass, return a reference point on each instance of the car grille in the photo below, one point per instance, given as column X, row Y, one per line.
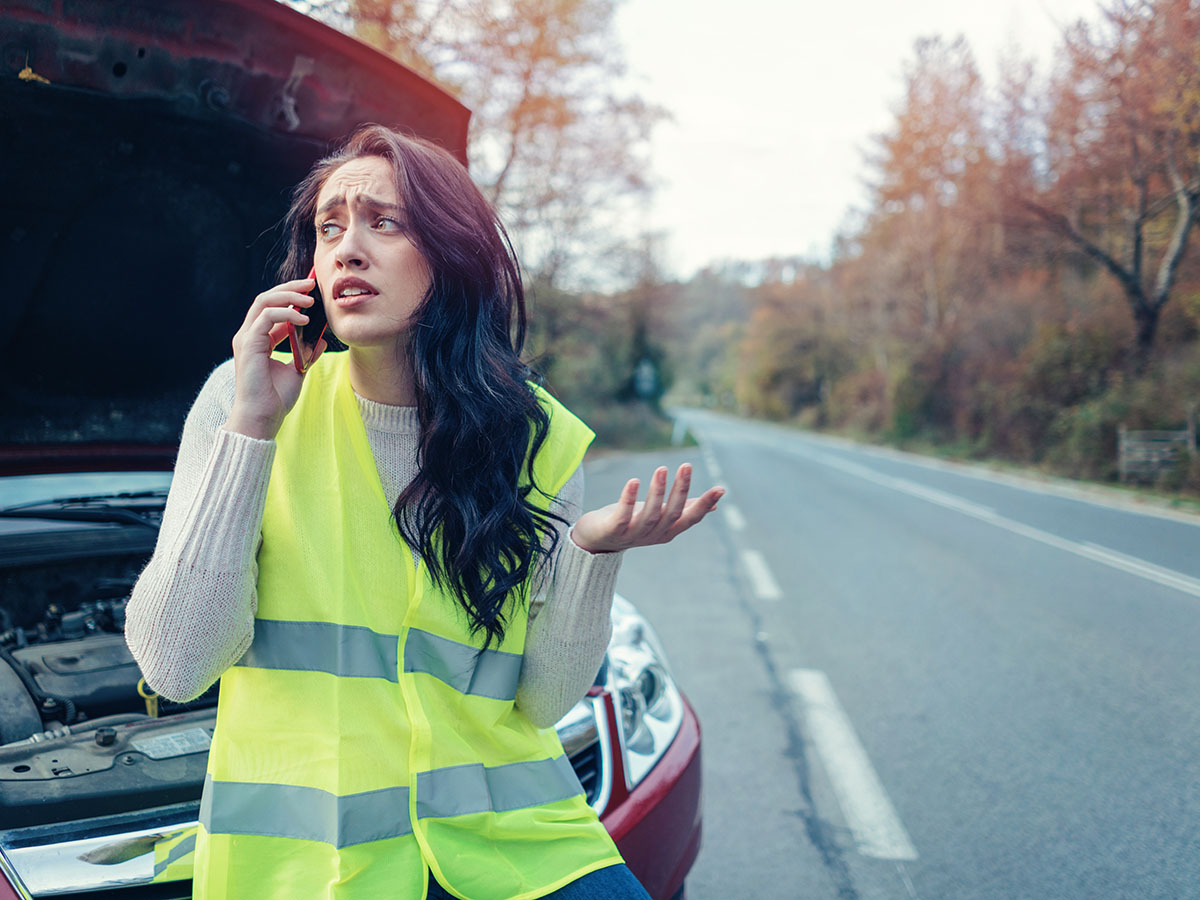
column 587, row 767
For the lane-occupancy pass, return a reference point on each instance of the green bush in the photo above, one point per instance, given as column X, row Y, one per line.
column 922, row 406
column 627, row 426
column 1083, row 439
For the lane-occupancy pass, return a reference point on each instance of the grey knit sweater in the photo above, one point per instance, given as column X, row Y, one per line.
column 191, row 614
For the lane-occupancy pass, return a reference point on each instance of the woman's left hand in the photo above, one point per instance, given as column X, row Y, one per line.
column 628, row 523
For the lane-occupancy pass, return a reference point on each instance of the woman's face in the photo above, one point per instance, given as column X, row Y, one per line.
column 371, row 275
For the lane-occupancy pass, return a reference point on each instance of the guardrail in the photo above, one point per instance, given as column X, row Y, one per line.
column 1142, row 455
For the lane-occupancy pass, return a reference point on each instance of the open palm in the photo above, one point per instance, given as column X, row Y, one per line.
column 659, row 519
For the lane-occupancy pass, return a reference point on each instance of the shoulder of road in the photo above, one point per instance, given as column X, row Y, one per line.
column 1118, row 498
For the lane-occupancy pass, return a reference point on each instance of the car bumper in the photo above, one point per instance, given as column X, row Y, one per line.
column 659, row 821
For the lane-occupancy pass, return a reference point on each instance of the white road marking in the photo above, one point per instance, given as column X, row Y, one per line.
column 1082, row 492
column 908, row 487
column 1134, row 566
column 908, row 885
column 678, row 433
column 1094, row 552
column 869, row 813
column 733, row 517
column 714, row 468
column 764, row 583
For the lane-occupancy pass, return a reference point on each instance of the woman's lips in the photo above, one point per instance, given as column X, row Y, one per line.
column 346, row 283
column 352, row 300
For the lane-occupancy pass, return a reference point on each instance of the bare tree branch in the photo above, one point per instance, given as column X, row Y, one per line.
column 1186, row 203
column 1138, row 220
column 1062, row 224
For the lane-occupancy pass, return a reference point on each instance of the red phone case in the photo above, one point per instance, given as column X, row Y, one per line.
column 299, row 358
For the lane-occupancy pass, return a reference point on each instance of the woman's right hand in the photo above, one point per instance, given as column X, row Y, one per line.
column 267, row 389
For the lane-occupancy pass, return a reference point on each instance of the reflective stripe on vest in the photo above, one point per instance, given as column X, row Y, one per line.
column 494, row 673
column 281, row 810
column 286, row 810
column 349, row 650
column 178, row 852
column 477, row 788
column 171, row 852
column 355, row 651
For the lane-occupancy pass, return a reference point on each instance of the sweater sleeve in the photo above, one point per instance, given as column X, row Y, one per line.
column 191, row 614
column 569, row 620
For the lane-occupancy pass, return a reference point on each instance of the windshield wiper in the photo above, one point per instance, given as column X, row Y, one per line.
column 118, row 508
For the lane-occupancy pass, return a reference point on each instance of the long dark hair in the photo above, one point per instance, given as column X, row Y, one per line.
column 469, row 512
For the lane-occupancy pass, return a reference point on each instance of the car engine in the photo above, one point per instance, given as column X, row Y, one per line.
column 80, row 733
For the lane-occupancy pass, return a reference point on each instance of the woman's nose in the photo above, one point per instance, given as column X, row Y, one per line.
column 349, row 250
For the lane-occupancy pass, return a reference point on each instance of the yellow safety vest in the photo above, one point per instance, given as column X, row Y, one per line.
column 174, row 855
column 364, row 740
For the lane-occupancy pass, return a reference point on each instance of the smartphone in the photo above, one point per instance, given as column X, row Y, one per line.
column 305, row 338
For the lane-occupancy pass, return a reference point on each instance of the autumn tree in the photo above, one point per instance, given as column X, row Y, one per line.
column 929, row 171
column 948, row 312
column 1123, row 134
column 554, row 144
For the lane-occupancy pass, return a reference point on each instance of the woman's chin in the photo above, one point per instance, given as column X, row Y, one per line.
column 363, row 331
column 368, row 339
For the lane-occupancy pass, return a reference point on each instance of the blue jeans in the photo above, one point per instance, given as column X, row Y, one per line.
column 609, row 883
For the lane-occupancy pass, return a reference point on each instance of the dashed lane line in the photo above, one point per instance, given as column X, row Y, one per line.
column 868, row 812
column 714, row 468
column 710, row 459
column 733, row 517
column 886, row 841
column 764, row 583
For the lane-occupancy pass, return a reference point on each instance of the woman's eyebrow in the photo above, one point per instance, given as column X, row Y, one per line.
column 339, row 202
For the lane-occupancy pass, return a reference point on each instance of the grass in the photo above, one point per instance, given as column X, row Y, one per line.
column 630, row 427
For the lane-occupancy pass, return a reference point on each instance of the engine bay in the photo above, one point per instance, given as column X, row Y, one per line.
column 80, row 733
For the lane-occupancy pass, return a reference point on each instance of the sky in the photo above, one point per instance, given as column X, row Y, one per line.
column 775, row 101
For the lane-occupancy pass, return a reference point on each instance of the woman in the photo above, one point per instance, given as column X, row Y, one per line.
column 374, row 557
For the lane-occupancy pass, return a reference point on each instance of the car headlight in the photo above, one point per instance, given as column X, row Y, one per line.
column 649, row 708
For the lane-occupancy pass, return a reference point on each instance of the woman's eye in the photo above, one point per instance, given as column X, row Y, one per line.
column 383, row 223
column 328, row 229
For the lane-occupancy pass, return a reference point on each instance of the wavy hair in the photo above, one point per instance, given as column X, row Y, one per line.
column 468, row 513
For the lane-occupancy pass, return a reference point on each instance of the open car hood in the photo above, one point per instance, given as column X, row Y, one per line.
column 149, row 149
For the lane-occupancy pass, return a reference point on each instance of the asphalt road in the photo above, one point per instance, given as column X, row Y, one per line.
column 914, row 681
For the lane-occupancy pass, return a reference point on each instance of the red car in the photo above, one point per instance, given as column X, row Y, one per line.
column 149, row 148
